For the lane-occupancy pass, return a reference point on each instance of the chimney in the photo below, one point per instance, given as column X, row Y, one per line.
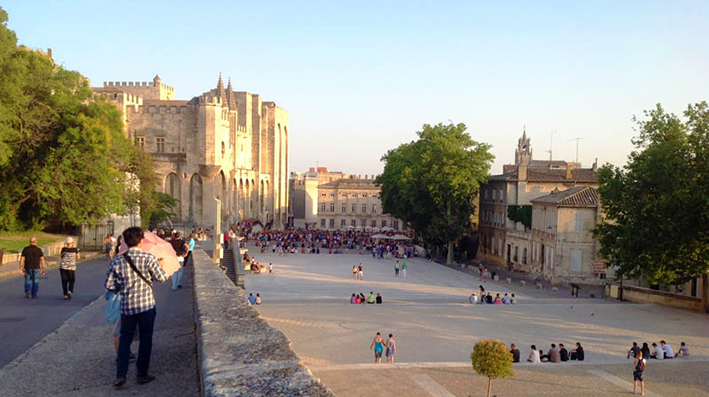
column 49, row 54
column 595, row 165
column 569, row 176
column 522, row 171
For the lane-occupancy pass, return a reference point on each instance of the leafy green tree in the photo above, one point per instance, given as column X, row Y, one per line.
column 63, row 155
column 164, row 209
column 491, row 358
column 657, row 205
column 430, row 183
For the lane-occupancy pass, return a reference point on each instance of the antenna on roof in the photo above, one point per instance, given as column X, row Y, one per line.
column 551, row 144
column 577, row 147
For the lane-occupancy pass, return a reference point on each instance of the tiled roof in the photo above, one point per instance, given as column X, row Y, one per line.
column 544, row 174
column 350, row 184
column 579, row 196
column 545, row 163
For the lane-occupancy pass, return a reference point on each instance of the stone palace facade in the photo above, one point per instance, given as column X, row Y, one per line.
column 222, row 144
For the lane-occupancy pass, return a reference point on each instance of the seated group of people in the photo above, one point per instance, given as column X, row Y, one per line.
column 554, row 354
column 370, row 299
column 255, row 300
column 662, row 352
column 488, row 299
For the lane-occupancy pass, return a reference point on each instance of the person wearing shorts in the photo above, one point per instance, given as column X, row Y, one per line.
column 378, row 346
column 638, row 373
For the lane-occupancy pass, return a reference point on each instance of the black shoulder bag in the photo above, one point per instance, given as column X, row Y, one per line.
column 132, row 266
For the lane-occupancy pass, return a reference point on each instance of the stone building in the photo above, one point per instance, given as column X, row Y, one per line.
column 304, row 195
column 563, row 248
column 221, row 144
column 352, row 203
column 507, row 242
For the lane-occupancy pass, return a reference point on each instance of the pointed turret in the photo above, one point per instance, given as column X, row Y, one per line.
column 221, row 93
column 523, row 153
column 230, row 98
column 157, row 79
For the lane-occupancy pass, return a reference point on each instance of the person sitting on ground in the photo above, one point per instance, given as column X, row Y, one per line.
column 577, row 353
column 353, row 299
column 498, row 300
column 506, row 299
column 667, row 349
column 534, row 357
column 515, row 353
column 683, row 351
column 258, row 299
column 370, row 298
column 473, row 298
column 379, row 298
column 633, row 352
column 563, row 353
column 553, row 354
column 542, row 356
column 513, row 300
column 358, row 300
column 362, row 298
column 252, row 299
column 646, row 350
column 488, row 299
column 657, row 352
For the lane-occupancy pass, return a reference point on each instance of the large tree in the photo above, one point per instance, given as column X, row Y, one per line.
column 63, row 155
column 657, row 205
column 430, row 183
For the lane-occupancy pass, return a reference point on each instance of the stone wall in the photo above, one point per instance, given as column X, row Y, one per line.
column 239, row 353
column 647, row 295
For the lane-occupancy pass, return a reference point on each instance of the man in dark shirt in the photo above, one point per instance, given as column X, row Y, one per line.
column 577, row 353
column 563, row 353
column 32, row 265
column 515, row 353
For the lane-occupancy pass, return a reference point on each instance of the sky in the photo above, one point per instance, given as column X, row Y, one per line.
column 360, row 78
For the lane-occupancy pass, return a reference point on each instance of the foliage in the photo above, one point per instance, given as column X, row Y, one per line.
column 164, row 209
column 62, row 154
column 430, row 183
column 657, row 205
column 521, row 213
column 491, row 358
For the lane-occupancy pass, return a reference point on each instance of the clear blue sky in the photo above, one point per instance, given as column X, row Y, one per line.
column 359, row 78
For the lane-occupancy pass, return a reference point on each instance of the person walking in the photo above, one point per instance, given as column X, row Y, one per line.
column 396, row 269
column 360, row 271
column 110, row 244
column 189, row 259
column 391, row 349
column 640, row 362
column 378, row 346
column 67, row 266
column 32, row 265
column 181, row 249
column 131, row 276
column 403, row 269
column 354, row 272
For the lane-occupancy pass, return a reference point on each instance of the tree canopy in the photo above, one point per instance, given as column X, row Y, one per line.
column 657, row 205
column 63, row 155
column 491, row 358
column 430, row 183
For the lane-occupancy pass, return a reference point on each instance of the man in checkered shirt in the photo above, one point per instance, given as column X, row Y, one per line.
column 137, row 303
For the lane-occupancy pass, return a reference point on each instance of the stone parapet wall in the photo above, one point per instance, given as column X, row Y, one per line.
column 239, row 353
column 647, row 295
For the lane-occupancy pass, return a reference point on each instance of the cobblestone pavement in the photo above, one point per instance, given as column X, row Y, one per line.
column 307, row 298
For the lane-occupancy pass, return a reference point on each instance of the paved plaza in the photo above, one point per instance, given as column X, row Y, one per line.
column 428, row 312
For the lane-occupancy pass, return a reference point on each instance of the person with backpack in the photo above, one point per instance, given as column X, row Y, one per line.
column 131, row 276
column 640, row 362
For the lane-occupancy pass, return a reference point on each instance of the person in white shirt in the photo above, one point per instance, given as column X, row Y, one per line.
column 506, row 300
column 657, row 352
column 534, row 357
column 669, row 353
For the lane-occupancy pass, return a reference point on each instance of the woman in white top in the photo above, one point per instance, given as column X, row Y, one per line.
column 534, row 356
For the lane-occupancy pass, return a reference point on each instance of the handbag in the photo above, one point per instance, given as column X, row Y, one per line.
column 113, row 307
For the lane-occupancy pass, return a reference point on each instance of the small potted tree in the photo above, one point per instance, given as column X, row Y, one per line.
column 491, row 358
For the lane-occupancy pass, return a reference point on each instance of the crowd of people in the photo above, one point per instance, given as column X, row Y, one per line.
column 553, row 355
column 662, row 352
column 357, row 299
column 488, row 299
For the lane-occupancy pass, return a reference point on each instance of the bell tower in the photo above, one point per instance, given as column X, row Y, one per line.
column 523, row 153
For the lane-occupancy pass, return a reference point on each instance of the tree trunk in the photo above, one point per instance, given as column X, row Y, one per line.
column 489, row 387
column 449, row 259
column 705, row 292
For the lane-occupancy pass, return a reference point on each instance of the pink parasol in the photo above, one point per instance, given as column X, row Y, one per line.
column 160, row 248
